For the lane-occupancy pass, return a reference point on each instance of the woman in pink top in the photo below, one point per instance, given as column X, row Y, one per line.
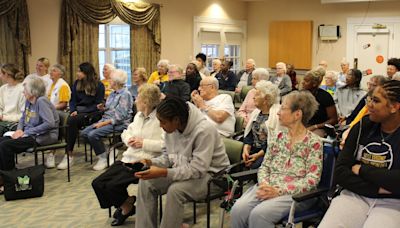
column 248, row 106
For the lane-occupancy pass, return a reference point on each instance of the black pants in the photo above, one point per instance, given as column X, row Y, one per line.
column 77, row 122
column 9, row 147
column 111, row 186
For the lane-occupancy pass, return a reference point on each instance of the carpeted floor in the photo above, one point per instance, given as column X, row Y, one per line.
column 74, row 204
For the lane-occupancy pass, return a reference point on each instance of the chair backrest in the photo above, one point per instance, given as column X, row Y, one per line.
column 328, row 166
column 239, row 124
column 230, row 93
column 244, row 91
column 233, row 149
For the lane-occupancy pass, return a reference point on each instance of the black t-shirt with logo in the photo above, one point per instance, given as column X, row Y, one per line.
column 378, row 154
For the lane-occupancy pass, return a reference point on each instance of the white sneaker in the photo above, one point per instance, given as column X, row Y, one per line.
column 50, row 161
column 64, row 165
column 111, row 156
column 101, row 164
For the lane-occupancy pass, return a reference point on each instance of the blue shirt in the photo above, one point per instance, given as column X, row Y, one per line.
column 119, row 107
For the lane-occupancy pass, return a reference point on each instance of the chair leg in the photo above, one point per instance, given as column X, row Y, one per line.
column 43, row 157
column 194, row 213
column 16, row 158
column 109, row 212
column 91, row 156
column 208, row 213
column 36, row 158
column 85, row 153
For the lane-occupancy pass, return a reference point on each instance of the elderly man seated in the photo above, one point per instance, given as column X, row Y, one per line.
column 218, row 109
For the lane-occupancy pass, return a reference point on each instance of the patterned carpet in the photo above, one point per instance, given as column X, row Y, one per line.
column 74, row 204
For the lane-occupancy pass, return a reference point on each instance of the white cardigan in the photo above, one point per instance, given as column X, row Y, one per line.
column 272, row 123
column 12, row 102
column 147, row 128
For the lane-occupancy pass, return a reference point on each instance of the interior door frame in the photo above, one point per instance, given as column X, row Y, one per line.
column 365, row 25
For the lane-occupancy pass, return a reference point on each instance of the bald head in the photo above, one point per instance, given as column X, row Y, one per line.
column 208, row 88
column 324, row 64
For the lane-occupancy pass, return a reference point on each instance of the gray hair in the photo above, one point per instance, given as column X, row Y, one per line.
column 120, row 77
column 163, row 62
column 304, row 101
column 344, row 62
column 109, row 65
column 150, row 94
column 269, row 91
column 283, row 65
column 213, row 81
column 333, row 74
column 177, row 68
column 261, row 74
column 380, row 79
column 59, row 67
column 35, row 86
column 252, row 62
column 217, row 61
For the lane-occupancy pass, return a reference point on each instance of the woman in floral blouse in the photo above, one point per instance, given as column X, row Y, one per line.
column 117, row 115
column 292, row 165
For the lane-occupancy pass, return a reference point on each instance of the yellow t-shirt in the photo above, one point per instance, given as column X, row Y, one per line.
column 107, row 86
column 363, row 112
column 154, row 76
column 64, row 95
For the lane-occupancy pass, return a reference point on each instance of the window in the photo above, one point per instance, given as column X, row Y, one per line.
column 114, row 47
column 232, row 53
column 212, row 52
column 220, row 38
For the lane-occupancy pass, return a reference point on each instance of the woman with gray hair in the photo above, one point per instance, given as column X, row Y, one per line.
column 60, row 92
column 143, row 137
column 38, row 124
column 292, row 165
column 331, row 78
column 59, row 95
column 281, row 79
column 117, row 116
column 160, row 76
column 262, row 122
column 107, row 71
column 247, row 107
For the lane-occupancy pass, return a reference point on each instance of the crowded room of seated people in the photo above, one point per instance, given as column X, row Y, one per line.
column 177, row 114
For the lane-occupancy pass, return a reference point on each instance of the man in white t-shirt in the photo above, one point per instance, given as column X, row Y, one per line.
column 218, row 109
column 42, row 70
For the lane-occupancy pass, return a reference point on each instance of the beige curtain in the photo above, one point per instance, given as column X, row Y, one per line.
column 15, row 41
column 79, row 31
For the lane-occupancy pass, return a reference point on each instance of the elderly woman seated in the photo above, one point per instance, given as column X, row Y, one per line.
column 292, row 165
column 116, row 117
column 368, row 167
column 144, row 141
column 330, row 82
column 60, row 92
column 263, row 121
column 12, row 98
column 38, row 124
column 248, row 106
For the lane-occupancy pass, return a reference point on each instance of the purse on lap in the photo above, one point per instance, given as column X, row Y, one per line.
column 23, row 183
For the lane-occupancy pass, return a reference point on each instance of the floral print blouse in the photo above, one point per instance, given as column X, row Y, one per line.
column 118, row 107
column 294, row 170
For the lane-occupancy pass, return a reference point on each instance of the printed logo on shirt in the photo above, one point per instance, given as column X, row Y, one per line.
column 378, row 154
column 29, row 114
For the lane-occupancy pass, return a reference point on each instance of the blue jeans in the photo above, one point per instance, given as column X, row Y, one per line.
column 93, row 136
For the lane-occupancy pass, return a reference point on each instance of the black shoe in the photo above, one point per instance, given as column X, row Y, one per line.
column 121, row 218
column 117, row 212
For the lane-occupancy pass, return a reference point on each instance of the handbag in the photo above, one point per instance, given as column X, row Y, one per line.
column 23, row 183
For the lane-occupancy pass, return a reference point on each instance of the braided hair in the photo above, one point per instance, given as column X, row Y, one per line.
column 173, row 107
column 392, row 90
